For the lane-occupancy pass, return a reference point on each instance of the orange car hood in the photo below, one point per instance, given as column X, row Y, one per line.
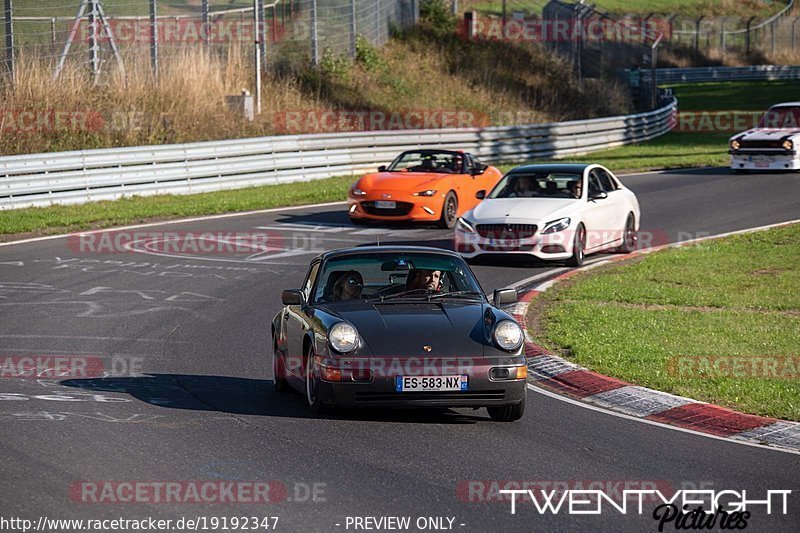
column 400, row 181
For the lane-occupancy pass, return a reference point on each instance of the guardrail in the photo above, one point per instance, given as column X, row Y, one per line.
column 89, row 175
column 701, row 74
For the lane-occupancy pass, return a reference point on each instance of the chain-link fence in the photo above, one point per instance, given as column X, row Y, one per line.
column 769, row 31
column 100, row 35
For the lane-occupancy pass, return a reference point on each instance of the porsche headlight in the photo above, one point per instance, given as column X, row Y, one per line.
column 788, row 145
column 735, row 144
column 343, row 337
column 428, row 193
column 508, row 335
column 556, row 225
column 355, row 191
column 464, row 226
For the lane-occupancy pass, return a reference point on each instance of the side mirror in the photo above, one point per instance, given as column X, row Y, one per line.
column 598, row 195
column 382, row 168
column 505, row 296
column 480, row 195
column 479, row 169
column 292, row 297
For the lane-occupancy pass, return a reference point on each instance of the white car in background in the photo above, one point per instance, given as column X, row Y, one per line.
column 772, row 145
column 551, row 212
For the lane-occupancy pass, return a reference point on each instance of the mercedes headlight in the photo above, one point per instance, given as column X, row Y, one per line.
column 464, row 226
column 735, row 144
column 788, row 145
column 556, row 225
column 508, row 335
column 428, row 193
column 343, row 337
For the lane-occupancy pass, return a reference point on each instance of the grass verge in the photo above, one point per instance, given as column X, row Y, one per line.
column 95, row 215
column 717, row 321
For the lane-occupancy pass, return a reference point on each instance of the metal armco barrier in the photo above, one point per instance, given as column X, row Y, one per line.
column 702, row 74
column 89, row 175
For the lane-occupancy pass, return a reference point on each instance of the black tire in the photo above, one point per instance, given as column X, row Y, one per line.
column 507, row 413
column 578, row 247
column 312, row 386
column 449, row 211
column 629, row 236
column 278, row 376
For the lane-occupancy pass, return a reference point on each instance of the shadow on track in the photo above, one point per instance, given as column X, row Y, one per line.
column 244, row 396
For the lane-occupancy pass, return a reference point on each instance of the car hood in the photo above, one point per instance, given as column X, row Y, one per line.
column 758, row 134
column 402, row 328
column 399, row 181
column 522, row 210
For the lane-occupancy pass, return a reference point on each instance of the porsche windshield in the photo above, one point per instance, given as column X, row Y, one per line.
column 428, row 161
column 537, row 185
column 781, row 118
column 385, row 275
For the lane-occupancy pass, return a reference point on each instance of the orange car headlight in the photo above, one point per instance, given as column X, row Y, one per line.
column 355, row 191
column 428, row 193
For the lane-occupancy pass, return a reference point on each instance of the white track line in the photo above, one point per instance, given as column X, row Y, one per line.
column 579, row 403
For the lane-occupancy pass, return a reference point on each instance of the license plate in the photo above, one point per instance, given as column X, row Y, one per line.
column 383, row 204
column 508, row 243
column 760, row 161
column 431, row 383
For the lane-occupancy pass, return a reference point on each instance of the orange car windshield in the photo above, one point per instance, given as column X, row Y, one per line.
column 428, row 161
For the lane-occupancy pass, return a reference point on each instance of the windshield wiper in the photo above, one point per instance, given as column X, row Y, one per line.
column 454, row 294
column 404, row 293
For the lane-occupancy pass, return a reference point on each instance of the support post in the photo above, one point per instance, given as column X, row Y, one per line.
column 747, row 37
column 94, row 45
column 257, row 56
column 314, row 43
column 206, row 39
column 154, row 39
column 353, row 29
column 654, row 72
column 9, row 16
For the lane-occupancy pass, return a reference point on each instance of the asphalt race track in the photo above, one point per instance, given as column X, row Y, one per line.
column 197, row 327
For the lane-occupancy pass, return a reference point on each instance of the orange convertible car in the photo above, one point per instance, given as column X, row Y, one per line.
column 422, row 185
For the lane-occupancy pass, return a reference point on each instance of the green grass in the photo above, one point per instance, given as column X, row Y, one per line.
column 732, row 297
column 739, row 95
column 60, row 219
column 673, row 150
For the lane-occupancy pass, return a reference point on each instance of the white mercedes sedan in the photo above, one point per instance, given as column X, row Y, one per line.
column 559, row 212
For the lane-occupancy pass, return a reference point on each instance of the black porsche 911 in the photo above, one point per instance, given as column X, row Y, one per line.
column 399, row 326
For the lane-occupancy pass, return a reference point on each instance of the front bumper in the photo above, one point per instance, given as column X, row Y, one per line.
column 764, row 161
column 409, row 207
column 380, row 389
column 552, row 247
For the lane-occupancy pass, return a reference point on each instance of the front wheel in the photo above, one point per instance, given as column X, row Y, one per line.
column 578, row 247
column 629, row 237
column 507, row 413
column 449, row 212
column 312, row 386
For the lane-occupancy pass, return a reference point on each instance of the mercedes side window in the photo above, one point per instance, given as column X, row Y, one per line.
column 606, row 181
column 594, row 183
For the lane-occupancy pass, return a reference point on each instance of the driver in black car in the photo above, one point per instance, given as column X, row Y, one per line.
column 422, row 278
